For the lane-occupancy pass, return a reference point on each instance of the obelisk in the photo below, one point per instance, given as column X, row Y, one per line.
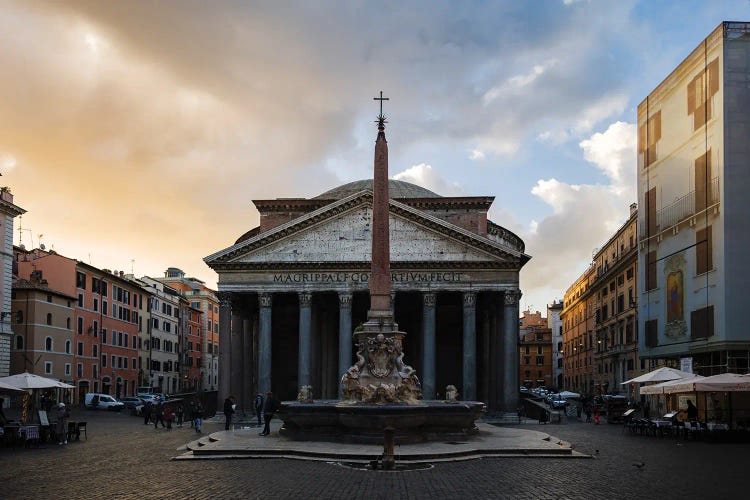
column 380, row 277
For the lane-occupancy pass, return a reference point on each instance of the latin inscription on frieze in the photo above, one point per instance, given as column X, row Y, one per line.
column 346, row 277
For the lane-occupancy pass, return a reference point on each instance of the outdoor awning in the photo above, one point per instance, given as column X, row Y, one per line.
column 31, row 381
column 569, row 395
column 730, row 382
column 662, row 387
column 9, row 388
column 660, row 375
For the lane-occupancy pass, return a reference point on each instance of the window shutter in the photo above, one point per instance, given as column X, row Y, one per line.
column 691, row 97
column 713, row 77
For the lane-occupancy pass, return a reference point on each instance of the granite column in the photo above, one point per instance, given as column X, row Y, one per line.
column 305, row 340
column 469, row 392
column 428, row 345
column 265, row 301
column 345, row 332
column 510, row 353
column 225, row 344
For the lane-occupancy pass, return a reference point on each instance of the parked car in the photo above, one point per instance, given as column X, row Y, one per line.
column 524, row 389
column 96, row 401
column 558, row 403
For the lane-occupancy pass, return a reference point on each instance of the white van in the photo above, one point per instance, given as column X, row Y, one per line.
column 96, row 401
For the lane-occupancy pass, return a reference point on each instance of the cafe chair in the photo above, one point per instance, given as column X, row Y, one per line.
column 82, row 428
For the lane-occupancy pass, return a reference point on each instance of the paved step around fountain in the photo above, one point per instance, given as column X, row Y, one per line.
column 490, row 442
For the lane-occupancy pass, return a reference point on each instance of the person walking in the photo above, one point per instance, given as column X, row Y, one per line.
column 63, row 414
column 148, row 408
column 270, row 407
column 198, row 417
column 228, row 411
column 180, row 413
column 159, row 415
column 259, row 407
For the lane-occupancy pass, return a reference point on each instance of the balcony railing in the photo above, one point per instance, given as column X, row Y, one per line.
column 684, row 207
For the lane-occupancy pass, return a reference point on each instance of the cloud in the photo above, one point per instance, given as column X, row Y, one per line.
column 424, row 175
column 7, row 161
column 476, row 154
column 584, row 216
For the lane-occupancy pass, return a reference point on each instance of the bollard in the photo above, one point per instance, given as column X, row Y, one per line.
column 388, row 461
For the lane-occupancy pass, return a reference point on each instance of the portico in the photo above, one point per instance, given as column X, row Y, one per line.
column 293, row 293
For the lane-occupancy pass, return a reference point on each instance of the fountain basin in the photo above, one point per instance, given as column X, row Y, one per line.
column 334, row 420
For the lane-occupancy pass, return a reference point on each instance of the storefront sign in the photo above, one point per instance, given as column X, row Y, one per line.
column 686, row 365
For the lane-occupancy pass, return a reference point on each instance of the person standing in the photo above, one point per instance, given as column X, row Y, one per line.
column 259, row 407
column 270, row 407
column 62, row 423
column 228, row 410
column 198, row 417
column 147, row 410
column 168, row 415
column 180, row 413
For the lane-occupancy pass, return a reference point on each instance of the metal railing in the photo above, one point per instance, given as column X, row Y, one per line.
column 684, row 207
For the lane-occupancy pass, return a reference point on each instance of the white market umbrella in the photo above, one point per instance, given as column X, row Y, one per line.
column 659, row 375
column 724, row 382
column 30, row 381
column 663, row 387
column 9, row 388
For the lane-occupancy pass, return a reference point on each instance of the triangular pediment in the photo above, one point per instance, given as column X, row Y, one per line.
column 341, row 232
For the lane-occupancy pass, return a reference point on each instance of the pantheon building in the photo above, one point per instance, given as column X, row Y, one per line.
column 299, row 282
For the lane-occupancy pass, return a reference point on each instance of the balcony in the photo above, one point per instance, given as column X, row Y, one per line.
column 683, row 208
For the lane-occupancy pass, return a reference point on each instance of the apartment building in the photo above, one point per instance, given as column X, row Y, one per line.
column 693, row 146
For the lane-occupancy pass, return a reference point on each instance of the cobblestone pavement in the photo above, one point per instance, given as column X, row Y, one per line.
column 123, row 458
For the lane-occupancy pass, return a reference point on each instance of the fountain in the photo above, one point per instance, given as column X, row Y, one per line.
column 381, row 397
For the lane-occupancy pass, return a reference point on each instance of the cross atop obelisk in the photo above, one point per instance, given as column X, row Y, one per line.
column 380, row 280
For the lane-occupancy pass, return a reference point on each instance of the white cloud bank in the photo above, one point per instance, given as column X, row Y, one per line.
column 424, row 175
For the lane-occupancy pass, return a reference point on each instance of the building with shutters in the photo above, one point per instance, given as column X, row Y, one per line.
column 693, row 148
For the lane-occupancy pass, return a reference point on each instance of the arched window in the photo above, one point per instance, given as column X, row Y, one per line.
column 49, row 318
column 19, row 342
column 48, row 344
column 67, row 347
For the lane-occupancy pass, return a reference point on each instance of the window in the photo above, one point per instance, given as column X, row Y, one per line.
column 48, row 367
column 620, row 303
column 630, row 364
column 526, row 360
column 104, row 360
column 68, row 347
column 79, row 370
column 702, row 323
column 648, row 135
column 19, row 317
column 49, row 318
column 629, row 274
column 651, row 212
column 135, row 341
column 703, row 251
column 80, row 325
column 104, row 307
column 156, row 323
column 67, row 368
column 216, row 328
column 19, row 342
column 96, row 328
column 104, row 335
column 113, row 360
column 67, row 323
column 95, row 351
column 80, row 348
column 651, row 270
column 700, row 90
column 540, row 360
column 652, row 338
column 96, row 304
column 48, row 344
column 125, row 340
column 216, row 309
column 539, row 349
column 80, row 280
column 95, row 370
column 133, row 364
column 80, row 300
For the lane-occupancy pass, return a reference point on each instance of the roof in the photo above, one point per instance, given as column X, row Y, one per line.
column 396, row 189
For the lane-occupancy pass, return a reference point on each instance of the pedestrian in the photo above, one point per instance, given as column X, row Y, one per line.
column 198, row 417
column 168, row 416
column 159, row 415
column 259, row 407
column 62, row 423
column 148, row 408
column 180, row 413
column 228, row 411
column 191, row 413
column 270, row 407
column 692, row 411
column 588, row 412
column 647, row 411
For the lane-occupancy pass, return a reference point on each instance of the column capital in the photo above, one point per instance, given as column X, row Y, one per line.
column 265, row 299
column 225, row 299
column 305, row 299
column 345, row 300
column 470, row 299
column 512, row 297
column 429, row 299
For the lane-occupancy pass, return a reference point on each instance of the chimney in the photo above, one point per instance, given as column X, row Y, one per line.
column 633, row 208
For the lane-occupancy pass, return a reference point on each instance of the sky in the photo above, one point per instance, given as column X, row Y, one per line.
column 136, row 134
